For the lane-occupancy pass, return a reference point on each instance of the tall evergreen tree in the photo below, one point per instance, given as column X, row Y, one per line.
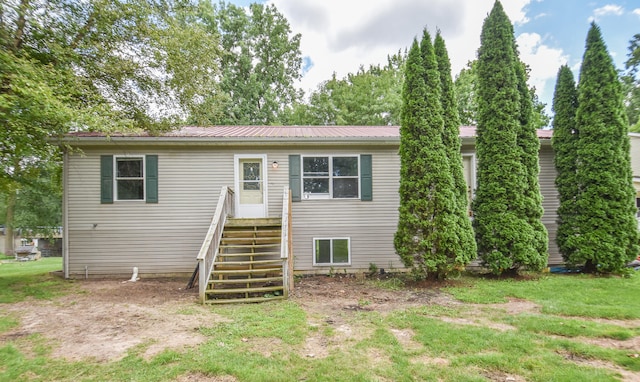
column 426, row 233
column 529, row 145
column 465, row 249
column 505, row 237
column 607, row 229
column 565, row 136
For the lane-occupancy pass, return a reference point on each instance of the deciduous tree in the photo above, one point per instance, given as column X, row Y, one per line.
column 100, row 65
column 260, row 63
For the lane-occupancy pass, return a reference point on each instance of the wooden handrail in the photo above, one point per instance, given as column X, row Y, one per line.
column 285, row 244
column 211, row 243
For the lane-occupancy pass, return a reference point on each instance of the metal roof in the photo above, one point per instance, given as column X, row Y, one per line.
column 278, row 132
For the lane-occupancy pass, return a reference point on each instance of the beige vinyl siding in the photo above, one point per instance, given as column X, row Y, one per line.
column 157, row 238
column 166, row 237
column 370, row 225
column 635, row 161
column 635, row 153
column 550, row 201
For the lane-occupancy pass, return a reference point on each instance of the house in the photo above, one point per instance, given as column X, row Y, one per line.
column 634, row 139
column 136, row 200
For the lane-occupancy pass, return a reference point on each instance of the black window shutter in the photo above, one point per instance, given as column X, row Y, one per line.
column 106, row 179
column 366, row 178
column 294, row 178
column 151, row 178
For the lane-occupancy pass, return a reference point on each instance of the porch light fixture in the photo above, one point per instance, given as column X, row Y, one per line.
column 275, row 164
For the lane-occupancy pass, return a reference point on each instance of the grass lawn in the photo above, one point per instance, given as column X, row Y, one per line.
column 577, row 328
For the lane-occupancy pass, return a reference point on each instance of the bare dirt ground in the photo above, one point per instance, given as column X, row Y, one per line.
column 106, row 318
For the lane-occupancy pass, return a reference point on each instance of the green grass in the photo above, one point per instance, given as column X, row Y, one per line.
column 569, row 327
column 19, row 280
column 269, row 341
column 575, row 295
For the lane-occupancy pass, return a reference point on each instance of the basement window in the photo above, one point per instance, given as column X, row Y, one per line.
column 331, row 251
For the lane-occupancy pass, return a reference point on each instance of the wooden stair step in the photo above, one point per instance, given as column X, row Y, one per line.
column 232, row 271
column 238, row 232
column 258, row 222
column 243, row 300
column 244, row 290
column 244, row 254
column 246, row 280
column 254, row 262
column 250, row 239
column 229, row 246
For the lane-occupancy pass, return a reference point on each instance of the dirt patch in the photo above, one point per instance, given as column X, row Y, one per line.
column 405, row 337
column 199, row 377
column 107, row 318
column 627, row 375
column 322, row 295
column 632, row 345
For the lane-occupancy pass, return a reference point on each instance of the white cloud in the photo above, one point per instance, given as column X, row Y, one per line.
column 543, row 60
column 636, row 11
column 341, row 35
column 607, row 10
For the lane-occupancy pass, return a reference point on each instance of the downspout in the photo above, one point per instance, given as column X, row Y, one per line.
column 65, row 214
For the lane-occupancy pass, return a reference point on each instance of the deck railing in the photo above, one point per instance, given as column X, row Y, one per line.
column 211, row 244
column 286, row 253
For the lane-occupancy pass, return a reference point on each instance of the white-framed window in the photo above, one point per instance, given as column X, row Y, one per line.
column 331, row 177
column 129, row 177
column 332, row 251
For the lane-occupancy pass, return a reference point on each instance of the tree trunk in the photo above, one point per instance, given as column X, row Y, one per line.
column 9, row 247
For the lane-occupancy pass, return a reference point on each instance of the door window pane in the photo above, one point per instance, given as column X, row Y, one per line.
column 251, row 176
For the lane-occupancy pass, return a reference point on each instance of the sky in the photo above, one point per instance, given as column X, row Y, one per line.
column 341, row 35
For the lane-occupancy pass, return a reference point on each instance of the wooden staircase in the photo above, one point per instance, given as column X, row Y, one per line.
column 248, row 266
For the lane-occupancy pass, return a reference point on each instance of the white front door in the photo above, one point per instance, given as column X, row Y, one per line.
column 251, row 186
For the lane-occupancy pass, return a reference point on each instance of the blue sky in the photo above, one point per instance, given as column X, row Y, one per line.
column 340, row 35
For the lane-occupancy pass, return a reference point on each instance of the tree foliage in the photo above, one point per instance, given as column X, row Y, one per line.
column 631, row 83
column 427, row 236
column 467, row 102
column 508, row 238
column 99, row 65
column 370, row 97
column 465, row 90
column 565, row 137
column 260, row 62
column 607, row 233
column 529, row 144
column 464, row 250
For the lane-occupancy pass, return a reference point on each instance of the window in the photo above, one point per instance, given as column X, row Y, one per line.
column 325, row 177
column 133, row 177
column 332, row 251
column 129, row 180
